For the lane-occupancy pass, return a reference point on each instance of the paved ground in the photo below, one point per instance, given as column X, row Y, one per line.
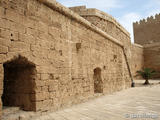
column 139, row 103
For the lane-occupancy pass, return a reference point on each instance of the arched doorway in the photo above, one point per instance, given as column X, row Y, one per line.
column 98, row 86
column 19, row 83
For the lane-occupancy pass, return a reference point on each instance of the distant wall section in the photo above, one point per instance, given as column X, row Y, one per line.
column 105, row 22
column 147, row 31
column 137, row 59
column 152, row 57
column 108, row 24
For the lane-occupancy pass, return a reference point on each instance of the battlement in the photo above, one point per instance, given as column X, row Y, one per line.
column 151, row 19
column 147, row 31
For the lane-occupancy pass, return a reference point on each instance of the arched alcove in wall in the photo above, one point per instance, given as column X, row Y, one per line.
column 19, row 83
column 98, row 86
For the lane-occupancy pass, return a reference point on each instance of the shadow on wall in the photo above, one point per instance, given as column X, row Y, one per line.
column 98, row 85
column 19, row 83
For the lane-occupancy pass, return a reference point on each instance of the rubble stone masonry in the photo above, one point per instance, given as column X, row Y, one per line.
column 147, row 31
column 50, row 57
column 152, row 57
column 137, row 59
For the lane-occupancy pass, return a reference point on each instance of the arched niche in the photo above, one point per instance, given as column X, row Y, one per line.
column 98, row 85
column 19, row 83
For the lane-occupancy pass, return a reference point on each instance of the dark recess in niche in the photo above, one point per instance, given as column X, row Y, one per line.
column 11, row 37
column 104, row 67
column 115, row 56
column 60, row 52
column 78, row 46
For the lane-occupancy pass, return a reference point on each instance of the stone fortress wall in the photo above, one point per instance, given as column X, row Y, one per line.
column 50, row 57
column 109, row 25
column 137, row 59
column 152, row 57
column 105, row 22
column 147, row 33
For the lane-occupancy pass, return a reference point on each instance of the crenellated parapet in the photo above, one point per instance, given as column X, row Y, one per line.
column 147, row 31
column 148, row 20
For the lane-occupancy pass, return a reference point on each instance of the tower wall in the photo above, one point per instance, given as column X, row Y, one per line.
column 147, row 31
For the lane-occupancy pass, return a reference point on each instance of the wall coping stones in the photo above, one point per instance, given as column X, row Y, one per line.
column 83, row 11
column 152, row 45
column 137, row 45
column 53, row 4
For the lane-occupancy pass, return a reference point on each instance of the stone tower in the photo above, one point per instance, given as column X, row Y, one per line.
column 147, row 34
column 147, row 31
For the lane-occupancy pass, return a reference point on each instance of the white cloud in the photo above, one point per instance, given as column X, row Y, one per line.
column 99, row 4
column 157, row 2
column 153, row 12
column 127, row 22
column 152, row 8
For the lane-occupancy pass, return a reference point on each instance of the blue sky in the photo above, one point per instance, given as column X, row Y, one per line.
column 125, row 11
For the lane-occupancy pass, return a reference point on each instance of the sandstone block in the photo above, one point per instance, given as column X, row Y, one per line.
column 39, row 105
column 52, row 95
column 47, row 104
column 5, row 42
column 30, row 23
column 50, row 82
column 3, row 23
column 32, row 31
column 1, row 69
column 45, row 69
column 53, row 87
column 3, row 49
column 27, row 38
column 42, row 35
column 4, row 33
column 54, row 32
column 17, row 27
column 13, row 16
column 1, row 84
column 45, row 88
column 42, row 27
column 2, row 58
column 39, row 96
column 2, row 12
column 56, row 25
column 19, row 46
column 40, row 83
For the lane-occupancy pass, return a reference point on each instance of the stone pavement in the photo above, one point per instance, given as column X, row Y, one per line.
column 139, row 103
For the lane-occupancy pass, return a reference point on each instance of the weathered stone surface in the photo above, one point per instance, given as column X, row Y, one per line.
column 19, row 46
column 152, row 57
column 137, row 59
column 46, row 34
column 2, row 58
column 3, row 49
column 147, row 31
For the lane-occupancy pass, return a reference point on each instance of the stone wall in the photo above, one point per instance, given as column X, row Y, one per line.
column 108, row 24
column 65, row 49
column 105, row 22
column 137, row 59
column 152, row 57
column 147, row 31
